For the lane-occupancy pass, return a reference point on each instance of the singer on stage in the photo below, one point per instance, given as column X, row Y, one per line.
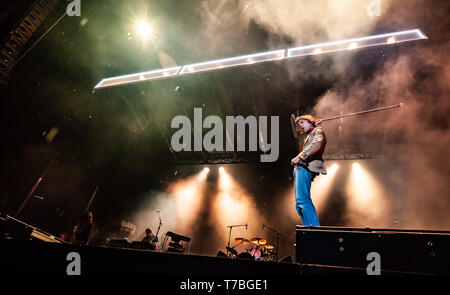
column 308, row 164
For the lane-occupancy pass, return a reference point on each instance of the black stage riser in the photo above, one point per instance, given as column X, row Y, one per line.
column 41, row 258
column 407, row 251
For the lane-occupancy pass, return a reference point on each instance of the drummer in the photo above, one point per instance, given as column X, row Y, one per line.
column 258, row 251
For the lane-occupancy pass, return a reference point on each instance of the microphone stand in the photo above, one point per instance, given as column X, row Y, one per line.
column 278, row 239
column 229, row 236
column 159, row 226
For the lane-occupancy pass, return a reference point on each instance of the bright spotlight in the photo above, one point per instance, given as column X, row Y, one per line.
column 203, row 174
column 353, row 45
column 143, row 28
column 366, row 200
column 188, row 193
column 233, row 205
column 321, row 187
column 221, row 170
column 391, row 40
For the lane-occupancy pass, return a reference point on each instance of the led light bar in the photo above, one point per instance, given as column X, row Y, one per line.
column 138, row 77
column 233, row 62
column 377, row 40
column 323, row 48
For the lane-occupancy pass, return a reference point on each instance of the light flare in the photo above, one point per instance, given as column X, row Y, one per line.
column 144, row 29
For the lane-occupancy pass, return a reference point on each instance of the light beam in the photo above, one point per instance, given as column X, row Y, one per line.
column 366, row 200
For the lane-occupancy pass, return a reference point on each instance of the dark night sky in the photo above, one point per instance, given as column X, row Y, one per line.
column 100, row 139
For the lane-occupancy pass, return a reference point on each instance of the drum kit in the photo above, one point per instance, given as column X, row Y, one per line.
column 258, row 250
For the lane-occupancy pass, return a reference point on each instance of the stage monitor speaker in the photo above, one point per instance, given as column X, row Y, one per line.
column 287, row 259
column 142, row 245
column 122, row 243
column 174, row 250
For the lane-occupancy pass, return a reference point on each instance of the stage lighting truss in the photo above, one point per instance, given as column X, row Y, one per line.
column 317, row 49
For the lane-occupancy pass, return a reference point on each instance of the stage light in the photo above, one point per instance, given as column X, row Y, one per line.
column 321, row 187
column 138, row 77
column 353, row 45
column 221, row 170
column 203, row 174
column 188, row 194
column 391, row 40
column 363, row 42
column 366, row 200
column 323, row 48
column 233, row 62
column 233, row 205
column 144, row 29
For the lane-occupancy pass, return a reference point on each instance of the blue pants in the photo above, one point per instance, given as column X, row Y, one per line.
column 303, row 203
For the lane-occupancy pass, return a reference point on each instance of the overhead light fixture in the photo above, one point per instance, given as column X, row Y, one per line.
column 323, row 48
column 363, row 42
column 391, row 40
column 233, row 62
column 353, row 45
column 138, row 77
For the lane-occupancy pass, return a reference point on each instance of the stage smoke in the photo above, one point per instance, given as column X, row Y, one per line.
column 304, row 22
column 232, row 206
column 366, row 200
column 321, row 186
column 179, row 208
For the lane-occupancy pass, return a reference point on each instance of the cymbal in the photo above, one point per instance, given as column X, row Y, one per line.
column 258, row 241
column 242, row 240
column 269, row 246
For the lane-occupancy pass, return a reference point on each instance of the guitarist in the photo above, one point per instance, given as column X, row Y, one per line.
column 150, row 238
column 307, row 165
column 82, row 232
